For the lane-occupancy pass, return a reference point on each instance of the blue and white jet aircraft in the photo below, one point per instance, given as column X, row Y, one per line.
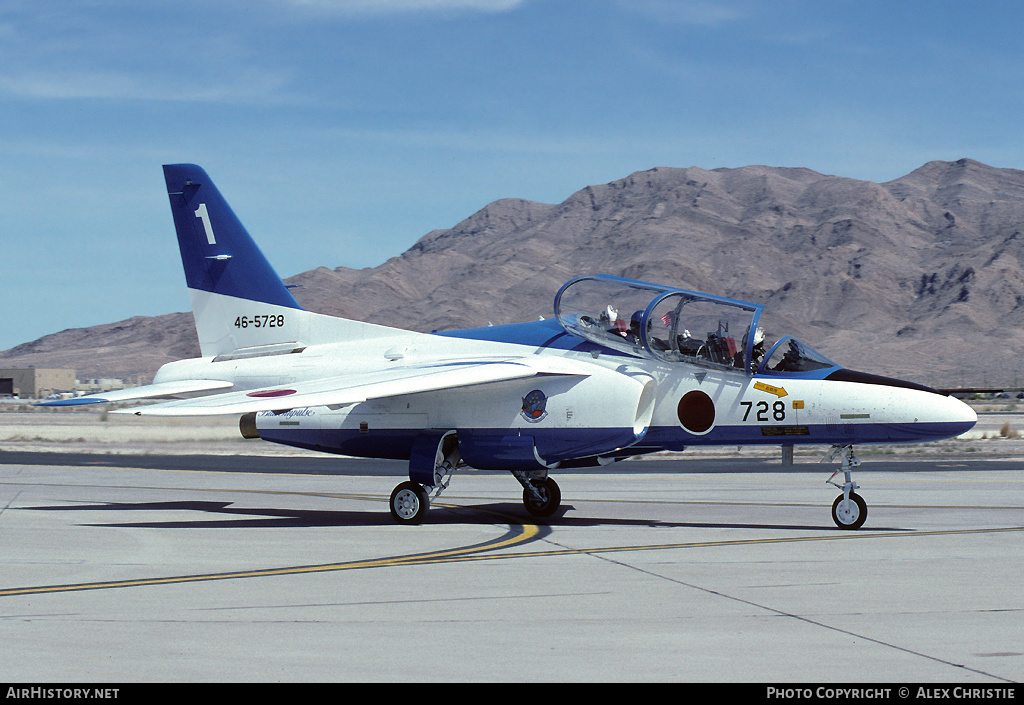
column 624, row 368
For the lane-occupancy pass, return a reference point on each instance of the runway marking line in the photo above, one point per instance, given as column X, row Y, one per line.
column 528, row 533
column 479, row 552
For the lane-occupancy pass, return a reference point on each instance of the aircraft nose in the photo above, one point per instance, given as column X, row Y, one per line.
column 961, row 414
column 933, row 415
column 952, row 414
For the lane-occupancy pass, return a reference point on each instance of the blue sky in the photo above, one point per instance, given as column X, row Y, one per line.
column 344, row 130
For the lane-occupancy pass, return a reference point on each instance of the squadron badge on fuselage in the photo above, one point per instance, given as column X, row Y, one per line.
column 535, row 406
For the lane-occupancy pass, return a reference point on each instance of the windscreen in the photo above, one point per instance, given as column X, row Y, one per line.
column 791, row 355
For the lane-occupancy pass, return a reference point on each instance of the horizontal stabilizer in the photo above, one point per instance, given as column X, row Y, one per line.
column 149, row 391
column 353, row 389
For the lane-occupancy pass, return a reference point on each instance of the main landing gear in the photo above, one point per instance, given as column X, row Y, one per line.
column 430, row 469
column 409, row 503
column 849, row 510
column 541, row 494
column 432, row 461
column 411, row 500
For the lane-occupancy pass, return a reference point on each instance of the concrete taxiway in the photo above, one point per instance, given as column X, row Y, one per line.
column 223, row 568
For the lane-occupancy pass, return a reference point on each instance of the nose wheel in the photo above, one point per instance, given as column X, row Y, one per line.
column 849, row 511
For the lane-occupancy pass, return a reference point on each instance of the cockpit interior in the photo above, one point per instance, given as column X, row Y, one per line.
column 676, row 325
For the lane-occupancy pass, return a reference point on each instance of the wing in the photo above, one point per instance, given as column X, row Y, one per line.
column 148, row 391
column 353, row 389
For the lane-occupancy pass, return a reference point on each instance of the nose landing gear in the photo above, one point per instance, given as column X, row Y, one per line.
column 849, row 511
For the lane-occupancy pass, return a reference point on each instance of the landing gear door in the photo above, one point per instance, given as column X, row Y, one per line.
column 433, row 456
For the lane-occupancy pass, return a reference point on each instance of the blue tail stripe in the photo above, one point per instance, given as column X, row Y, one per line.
column 217, row 252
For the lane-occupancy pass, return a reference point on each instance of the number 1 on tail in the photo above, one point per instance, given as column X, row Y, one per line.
column 204, row 216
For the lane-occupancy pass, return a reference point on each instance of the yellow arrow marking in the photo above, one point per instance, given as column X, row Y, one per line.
column 777, row 391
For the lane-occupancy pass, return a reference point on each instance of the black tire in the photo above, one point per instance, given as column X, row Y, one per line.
column 852, row 514
column 547, row 503
column 409, row 503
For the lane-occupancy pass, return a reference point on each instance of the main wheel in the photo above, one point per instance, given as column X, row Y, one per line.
column 409, row 503
column 547, row 500
column 849, row 513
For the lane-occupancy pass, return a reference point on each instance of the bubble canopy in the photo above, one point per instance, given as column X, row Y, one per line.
column 664, row 323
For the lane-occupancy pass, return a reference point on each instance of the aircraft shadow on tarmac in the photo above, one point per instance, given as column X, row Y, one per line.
column 480, row 514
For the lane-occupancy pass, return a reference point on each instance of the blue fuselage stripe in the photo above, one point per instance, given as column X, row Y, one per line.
column 563, row 444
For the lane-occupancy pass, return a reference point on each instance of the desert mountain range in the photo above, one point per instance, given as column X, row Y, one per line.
column 918, row 278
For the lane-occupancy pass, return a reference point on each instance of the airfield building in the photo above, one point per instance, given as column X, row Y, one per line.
column 35, row 382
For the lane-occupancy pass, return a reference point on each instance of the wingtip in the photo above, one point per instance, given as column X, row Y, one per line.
column 76, row 401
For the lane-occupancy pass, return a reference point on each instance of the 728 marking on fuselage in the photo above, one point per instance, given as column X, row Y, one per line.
column 778, row 410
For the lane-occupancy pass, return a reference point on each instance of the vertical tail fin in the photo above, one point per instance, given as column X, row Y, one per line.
column 238, row 300
column 218, row 254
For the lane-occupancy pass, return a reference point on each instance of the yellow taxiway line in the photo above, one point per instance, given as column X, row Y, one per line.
column 479, row 552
